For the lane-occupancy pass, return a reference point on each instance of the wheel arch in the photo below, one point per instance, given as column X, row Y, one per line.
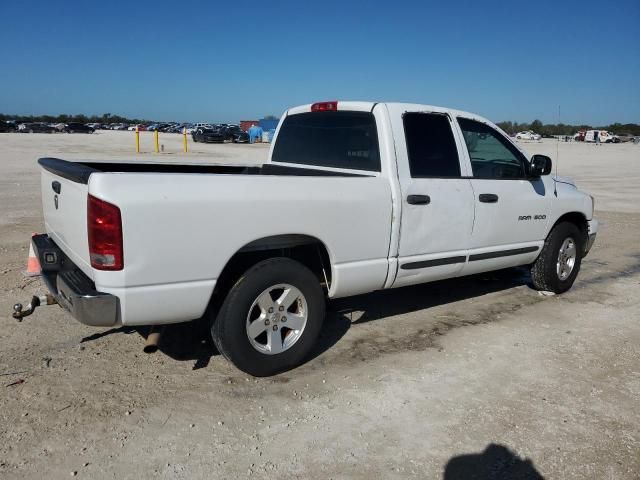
column 578, row 219
column 306, row 249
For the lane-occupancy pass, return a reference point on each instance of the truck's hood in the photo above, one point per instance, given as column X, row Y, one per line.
column 567, row 180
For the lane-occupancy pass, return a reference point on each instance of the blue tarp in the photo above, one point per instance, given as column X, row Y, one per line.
column 268, row 123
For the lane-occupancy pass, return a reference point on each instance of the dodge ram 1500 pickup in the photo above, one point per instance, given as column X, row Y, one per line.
column 355, row 197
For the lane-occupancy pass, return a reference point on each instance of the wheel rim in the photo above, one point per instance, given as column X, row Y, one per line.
column 566, row 258
column 276, row 319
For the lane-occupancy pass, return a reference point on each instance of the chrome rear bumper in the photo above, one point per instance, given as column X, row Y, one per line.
column 73, row 290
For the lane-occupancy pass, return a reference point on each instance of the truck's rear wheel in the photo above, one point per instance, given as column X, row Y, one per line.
column 271, row 317
column 558, row 265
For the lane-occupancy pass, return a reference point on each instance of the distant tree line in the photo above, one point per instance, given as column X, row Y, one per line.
column 545, row 129
column 551, row 129
column 68, row 118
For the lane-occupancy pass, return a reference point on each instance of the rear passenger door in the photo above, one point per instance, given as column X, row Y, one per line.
column 437, row 201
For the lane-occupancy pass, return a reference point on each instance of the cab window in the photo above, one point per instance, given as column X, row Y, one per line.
column 431, row 147
column 492, row 155
column 342, row 139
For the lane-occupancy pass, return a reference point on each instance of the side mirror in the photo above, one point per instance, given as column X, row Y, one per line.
column 540, row 165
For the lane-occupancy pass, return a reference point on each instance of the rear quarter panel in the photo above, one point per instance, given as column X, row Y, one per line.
column 180, row 230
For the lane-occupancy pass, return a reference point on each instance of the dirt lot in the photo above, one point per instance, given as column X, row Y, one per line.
column 447, row 380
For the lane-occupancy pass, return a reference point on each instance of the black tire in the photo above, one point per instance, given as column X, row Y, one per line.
column 544, row 275
column 229, row 328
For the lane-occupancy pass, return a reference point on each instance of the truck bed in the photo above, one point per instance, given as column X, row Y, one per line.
column 80, row 171
column 181, row 224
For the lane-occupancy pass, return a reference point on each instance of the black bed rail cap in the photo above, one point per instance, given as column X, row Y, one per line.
column 76, row 172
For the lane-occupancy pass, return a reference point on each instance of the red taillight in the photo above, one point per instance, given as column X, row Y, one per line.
column 324, row 107
column 105, row 235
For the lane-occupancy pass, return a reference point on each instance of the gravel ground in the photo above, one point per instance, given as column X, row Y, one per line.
column 476, row 378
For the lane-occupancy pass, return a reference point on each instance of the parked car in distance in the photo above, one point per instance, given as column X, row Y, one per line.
column 579, row 136
column 625, row 137
column 37, row 128
column 236, row 135
column 202, row 125
column 528, row 135
column 6, row 127
column 178, row 128
column 209, row 135
column 346, row 204
column 78, row 128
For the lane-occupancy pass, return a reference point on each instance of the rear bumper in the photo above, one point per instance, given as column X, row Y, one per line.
column 73, row 290
column 593, row 231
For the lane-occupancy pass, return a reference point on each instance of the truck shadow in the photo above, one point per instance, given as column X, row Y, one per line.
column 183, row 342
column 188, row 341
column 385, row 303
column 191, row 341
column 360, row 309
column 496, row 462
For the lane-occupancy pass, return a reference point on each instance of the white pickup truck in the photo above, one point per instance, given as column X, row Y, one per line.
column 355, row 197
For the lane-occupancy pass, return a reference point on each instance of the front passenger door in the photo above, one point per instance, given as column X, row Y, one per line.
column 511, row 208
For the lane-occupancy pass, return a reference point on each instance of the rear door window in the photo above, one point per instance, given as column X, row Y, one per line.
column 430, row 145
column 329, row 139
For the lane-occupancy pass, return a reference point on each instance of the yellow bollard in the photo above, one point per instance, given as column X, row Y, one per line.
column 156, row 139
column 137, row 140
column 184, row 140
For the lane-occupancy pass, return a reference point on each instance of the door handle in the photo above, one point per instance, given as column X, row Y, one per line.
column 419, row 199
column 488, row 198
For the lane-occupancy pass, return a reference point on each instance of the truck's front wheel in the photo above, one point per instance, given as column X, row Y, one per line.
column 271, row 318
column 558, row 265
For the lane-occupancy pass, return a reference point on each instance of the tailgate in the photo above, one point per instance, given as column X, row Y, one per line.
column 64, row 205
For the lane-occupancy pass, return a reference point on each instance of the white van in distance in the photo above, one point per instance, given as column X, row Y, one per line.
column 602, row 135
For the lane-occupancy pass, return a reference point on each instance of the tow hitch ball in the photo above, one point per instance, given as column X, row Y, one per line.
column 36, row 301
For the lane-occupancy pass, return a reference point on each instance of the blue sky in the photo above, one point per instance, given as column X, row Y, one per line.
column 226, row 61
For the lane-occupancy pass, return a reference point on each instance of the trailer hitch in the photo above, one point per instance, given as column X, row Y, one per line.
column 36, row 301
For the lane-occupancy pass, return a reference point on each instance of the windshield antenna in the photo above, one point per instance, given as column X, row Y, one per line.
column 555, row 178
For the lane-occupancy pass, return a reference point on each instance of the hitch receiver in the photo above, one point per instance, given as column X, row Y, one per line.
column 36, row 301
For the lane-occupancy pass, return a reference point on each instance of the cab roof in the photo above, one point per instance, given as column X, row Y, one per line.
column 394, row 107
